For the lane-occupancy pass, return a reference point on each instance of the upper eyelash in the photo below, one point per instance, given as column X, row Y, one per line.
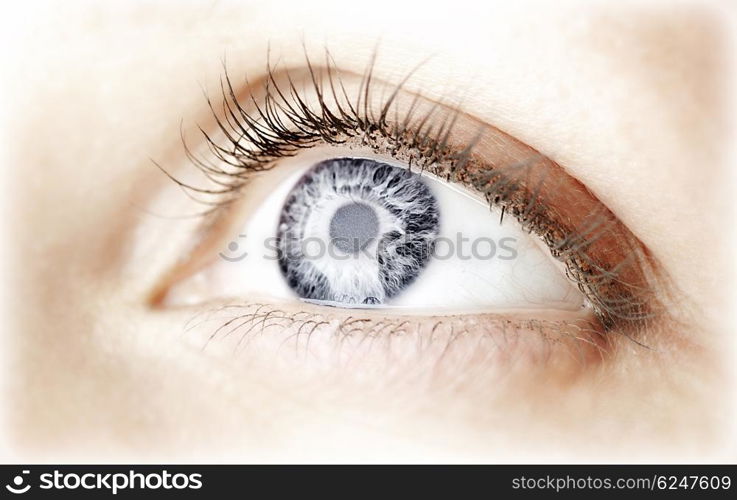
column 281, row 123
column 270, row 137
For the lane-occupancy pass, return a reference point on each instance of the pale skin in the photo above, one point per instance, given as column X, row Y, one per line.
column 630, row 101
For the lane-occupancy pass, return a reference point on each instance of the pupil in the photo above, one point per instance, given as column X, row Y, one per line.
column 353, row 227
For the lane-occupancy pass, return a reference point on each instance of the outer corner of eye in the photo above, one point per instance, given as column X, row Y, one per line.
column 353, row 231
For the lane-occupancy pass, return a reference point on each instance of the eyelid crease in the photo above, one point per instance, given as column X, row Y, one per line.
column 277, row 119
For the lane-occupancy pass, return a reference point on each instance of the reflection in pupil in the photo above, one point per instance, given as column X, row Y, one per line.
column 353, row 227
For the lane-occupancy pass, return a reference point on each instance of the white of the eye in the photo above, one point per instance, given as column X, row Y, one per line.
column 482, row 263
column 247, row 265
column 450, row 283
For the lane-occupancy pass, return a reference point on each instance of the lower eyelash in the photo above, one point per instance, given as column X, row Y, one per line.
column 282, row 123
column 480, row 340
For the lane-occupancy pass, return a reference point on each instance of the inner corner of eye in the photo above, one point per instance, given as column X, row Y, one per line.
column 360, row 232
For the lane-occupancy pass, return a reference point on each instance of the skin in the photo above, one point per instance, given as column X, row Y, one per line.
column 631, row 101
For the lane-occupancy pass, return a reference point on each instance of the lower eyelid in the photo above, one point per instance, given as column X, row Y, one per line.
column 379, row 343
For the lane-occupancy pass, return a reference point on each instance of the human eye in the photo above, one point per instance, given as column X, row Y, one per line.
column 331, row 196
column 175, row 317
column 361, row 232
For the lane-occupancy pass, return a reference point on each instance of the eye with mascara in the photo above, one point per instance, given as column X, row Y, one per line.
column 351, row 193
column 363, row 233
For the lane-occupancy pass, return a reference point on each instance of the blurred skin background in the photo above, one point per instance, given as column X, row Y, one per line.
column 634, row 101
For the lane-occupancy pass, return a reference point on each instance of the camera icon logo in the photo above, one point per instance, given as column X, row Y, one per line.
column 18, row 487
column 233, row 247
